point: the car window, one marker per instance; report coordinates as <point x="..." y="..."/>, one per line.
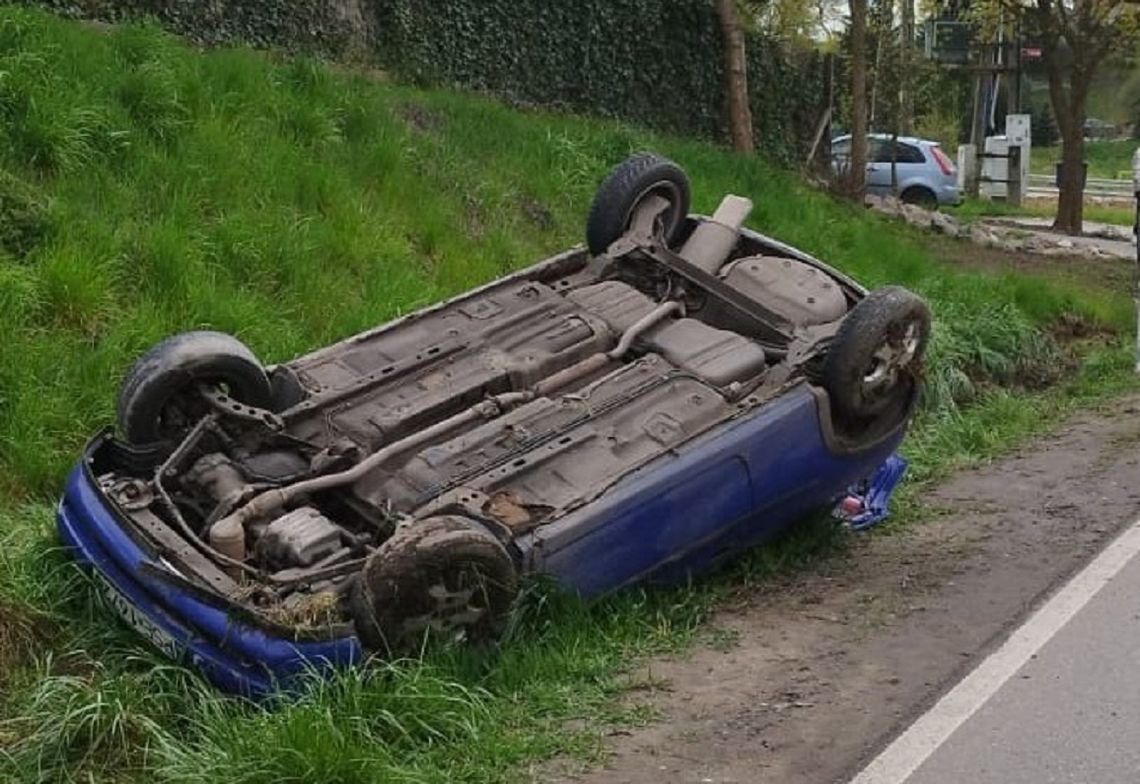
<point x="908" y="153"/>
<point x="841" y="148"/>
<point x="905" y="153"/>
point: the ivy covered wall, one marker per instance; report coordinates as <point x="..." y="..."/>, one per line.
<point x="327" y="27"/>
<point x="653" y="62"/>
<point x="656" y="62"/>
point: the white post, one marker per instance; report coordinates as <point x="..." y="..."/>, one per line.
<point x="967" y="155"/>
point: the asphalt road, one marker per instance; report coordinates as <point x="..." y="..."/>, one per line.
<point x="1058" y="703"/>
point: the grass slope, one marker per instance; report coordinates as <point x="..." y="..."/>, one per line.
<point x="1107" y="159"/>
<point x="147" y="188"/>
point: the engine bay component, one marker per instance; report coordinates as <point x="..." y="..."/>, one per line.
<point x="298" y="538"/>
<point x="215" y="474"/>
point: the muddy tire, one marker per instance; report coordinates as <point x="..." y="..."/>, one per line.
<point x="921" y="197"/>
<point x="440" y="578"/>
<point x="623" y="190"/>
<point x="875" y="360"/>
<point x="157" y="400"/>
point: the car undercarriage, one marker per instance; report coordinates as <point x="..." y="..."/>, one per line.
<point x="380" y="485"/>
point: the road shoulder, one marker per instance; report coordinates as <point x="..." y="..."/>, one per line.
<point x="830" y="664"/>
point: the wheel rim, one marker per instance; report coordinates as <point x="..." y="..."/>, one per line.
<point x="666" y="221"/>
<point x="185" y="408"/>
<point x="456" y="609"/>
<point x="890" y="360"/>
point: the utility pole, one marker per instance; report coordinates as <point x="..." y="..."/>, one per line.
<point x="978" y="127"/>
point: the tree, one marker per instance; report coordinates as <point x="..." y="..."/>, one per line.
<point x="906" y="75"/>
<point x="857" y="171"/>
<point x="1076" y="37"/>
<point x="736" y="77"/>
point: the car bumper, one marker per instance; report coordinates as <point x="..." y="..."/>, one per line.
<point x="234" y="655"/>
<point x="949" y="195"/>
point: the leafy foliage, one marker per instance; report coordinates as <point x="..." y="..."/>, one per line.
<point x="616" y="59"/>
<point x="313" y="26"/>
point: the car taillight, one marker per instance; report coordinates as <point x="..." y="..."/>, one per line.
<point x="944" y="163"/>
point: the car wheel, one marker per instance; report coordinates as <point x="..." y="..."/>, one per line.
<point x="921" y="197"/>
<point x="440" y="578"/>
<point x="158" y="399"/>
<point x="625" y="187"/>
<point x="874" y="361"/>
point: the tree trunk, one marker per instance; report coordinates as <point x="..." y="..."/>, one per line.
<point x="1071" y="202"/>
<point x="735" y="78"/>
<point x="906" y="56"/>
<point x="857" y="174"/>
<point x="1069" y="110"/>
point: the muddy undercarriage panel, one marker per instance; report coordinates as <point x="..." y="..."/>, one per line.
<point x="429" y="368"/>
<point x="551" y="455"/>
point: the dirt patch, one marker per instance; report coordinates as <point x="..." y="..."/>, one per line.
<point x="420" y="119"/>
<point x="1071" y="328"/>
<point x="1108" y="274"/>
<point x="536" y="213"/>
<point x="830" y="663"/>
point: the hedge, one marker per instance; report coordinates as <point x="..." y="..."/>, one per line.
<point x="653" y="62"/>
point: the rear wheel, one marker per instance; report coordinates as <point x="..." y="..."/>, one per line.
<point x="623" y="191"/>
<point x="921" y="197"/>
<point x="440" y="578"/>
<point x="875" y="360"/>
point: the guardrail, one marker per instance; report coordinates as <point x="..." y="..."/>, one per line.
<point x="1094" y="186"/>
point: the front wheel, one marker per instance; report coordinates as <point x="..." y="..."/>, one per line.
<point x="437" y="578"/>
<point x="158" y="399"/>
<point x="875" y="360"/>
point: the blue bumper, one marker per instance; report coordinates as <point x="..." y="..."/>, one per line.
<point x="233" y="655"/>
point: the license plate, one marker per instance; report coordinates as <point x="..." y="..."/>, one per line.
<point x="137" y="619"/>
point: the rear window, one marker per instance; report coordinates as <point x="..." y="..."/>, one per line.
<point x="904" y="153"/>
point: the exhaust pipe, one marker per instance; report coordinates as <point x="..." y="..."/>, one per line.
<point x="714" y="240"/>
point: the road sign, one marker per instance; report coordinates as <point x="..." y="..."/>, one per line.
<point x="949" y="41"/>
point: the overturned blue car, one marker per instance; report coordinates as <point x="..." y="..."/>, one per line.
<point x="640" y="408"/>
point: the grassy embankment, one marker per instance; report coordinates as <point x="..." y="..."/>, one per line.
<point x="973" y="209"/>
<point x="1109" y="159"/>
<point x="147" y="188"/>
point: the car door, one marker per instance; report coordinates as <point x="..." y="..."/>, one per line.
<point x="879" y="167"/>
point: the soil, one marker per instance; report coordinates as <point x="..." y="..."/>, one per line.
<point x="828" y="665"/>
<point x="1110" y="273"/>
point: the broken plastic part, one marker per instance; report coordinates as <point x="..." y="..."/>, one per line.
<point x="867" y="503"/>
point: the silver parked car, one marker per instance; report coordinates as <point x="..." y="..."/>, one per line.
<point x="926" y="175"/>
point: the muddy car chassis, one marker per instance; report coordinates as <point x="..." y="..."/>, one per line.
<point x="680" y="389"/>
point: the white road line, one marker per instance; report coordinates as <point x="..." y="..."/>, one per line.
<point x="904" y="756"/>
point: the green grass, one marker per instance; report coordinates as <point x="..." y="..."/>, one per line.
<point x="150" y="189"/>
<point x="1106" y="159"/>
<point x="972" y="209"/>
